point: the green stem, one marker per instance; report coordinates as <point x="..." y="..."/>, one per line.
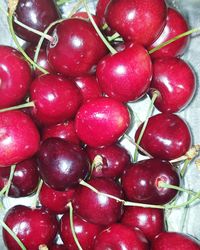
<point x="12" y="171"/>
<point x="113" y="37"/>
<point x="163" y="184"/>
<point x="21" y="106"/>
<point x="61" y="2"/>
<point x="3" y="190"/>
<point x="35" y="200"/>
<point x="185" y="165"/>
<point x="183" y="218"/>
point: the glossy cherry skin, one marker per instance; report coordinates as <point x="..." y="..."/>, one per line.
<point x="140" y="21"/>
<point x="65" y="131"/>
<point x="19" y="138"/>
<point x="175" y="241"/>
<point x="149" y="220"/>
<point x="57" y="247"/>
<point x="141" y="182"/>
<point x="100" y="10"/>
<point x="56" y="99"/>
<point x="121" y="237"/>
<point x="34" y="227"/>
<point x="25" y="179"/>
<point x="37" y="14"/>
<point x="97" y="208"/>
<point x="175" y="81"/>
<point x="89" y="87"/>
<point x="115" y="160"/>
<point x="15" y="77"/>
<point x="175" y="25"/>
<point x="166" y="136"/>
<point x="83" y="15"/>
<point x="77" y="48"/>
<point x="61" y="164"/>
<point x="86" y="232"/>
<point x="55" y="201"/>
<point x="125" y="75"/>
<point x="101" y="121"/>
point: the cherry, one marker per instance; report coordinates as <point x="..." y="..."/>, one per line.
<point x="14" y="81"/>
<point x="76" y="48"/>
<point x="140" y="21"/>
<point x="125" y="75"/>
<point x="175" y="81"/>
<point x="57" y="247"/>
<point x="65" y="131"/>
<point x="25" y="179"/>
<point x="141" y="182"/>
<point x="166" y="136"/>
<point x="98" y="208"/>
<point x="175" y="241"/>
<point x="61" y="164"/>
<point x="37" y="14"/>
<point x="101" y="121"/>
<point x="115" y="159"/>
<point x="86" y="232"/>
<point x="56" y="99"/>
<point x="19" y="138"/>
<point x="83" y="15"/>
<point x="34" y="227"/>
<point x="149" y="220"/>
<point x="121" y="237"/>
<point x="55" y="201"/>
<point x="175" y="25"/>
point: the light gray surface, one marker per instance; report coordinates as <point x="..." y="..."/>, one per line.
<point x="191" y="9"/>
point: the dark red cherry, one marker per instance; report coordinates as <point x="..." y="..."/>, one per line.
<point x="175" y="25"/>
<point x="57" y="247"/>
<point x="149" y="220"/>
<point x="65" y="131"/>
<point x="55" y="201"/>
<point x="175" y="81"/>
<point x="86" y="232"/>
<point x="97" y="208"/>
<point x="100" y="10"/>
<point x="37" y="14"/>
<point x="115" y="159"/>
<point x="175" y="241"/>
<point x="25" y="179"/>
<point x="166" y="136"/>
<point x="61" y="164"/>
<point x="15" y="77"/>
<point x="141" y="182"/>
<point x="140" y="21"/>
<point x="34" y="227"/>
<point x="56" y="99"/>
<point x="121" y="237"/>
<point x="77" y="47"/>
<point x="19" y="138"/>
<point x="125" y="75"/>
<point x="101" y="121"/>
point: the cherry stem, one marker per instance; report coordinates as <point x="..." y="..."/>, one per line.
<point x="3" y="190"/>
<point x="97" y="162"/>
<point x="14" y="236"/>
<point x="189" y="32"/>
<point x="35" y="200"/>
<point x="43" y="247"/>
<point x="149" y="112"/>
<point x="184" y="216"/>
<point x="184" y="168"/>
<point x="61" y="2"/>
<point x="72" y="226"/>
<point x="12" y="171"/>
<point x="111" y="49"/>
<point x="162" y="184"/>
<point x="21" y="106"/>
<point x="113" y="37"/>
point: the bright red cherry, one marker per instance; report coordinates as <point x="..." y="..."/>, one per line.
<point x="101" y="121"/>
<point x="76" y="48"/>
<point x="175" y="81"/>
<point x="166" y="136"/>
<point x="15" y="77"/>
<point x="19" y="138"/>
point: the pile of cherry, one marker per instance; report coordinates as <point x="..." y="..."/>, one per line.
<point x="67" y="133"/>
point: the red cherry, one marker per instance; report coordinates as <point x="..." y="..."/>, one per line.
<point x="15" y="77"/>
<point x="149" y="220"/>
<point x="175" y="81"/>
<point x="83" y="15"/>
<point x="100" y="10"/>
<point x="77" y="48"/>
<point x="86" y="232"/>
<point x="19" y="138"/>
<point x="175" y="25"/>
<point x="97" y="208"/>
<point x="125" y="75"/>
<point x="166" y="136"/>
<point x="101" y="121"/>
<point x="120" y="237"/>
<point x="56" y="99"/>
<point x="140" y="21"/>
<point x="34" y="227"/>
<point x="57" y="247"/>
<point x="175" y="241"/>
